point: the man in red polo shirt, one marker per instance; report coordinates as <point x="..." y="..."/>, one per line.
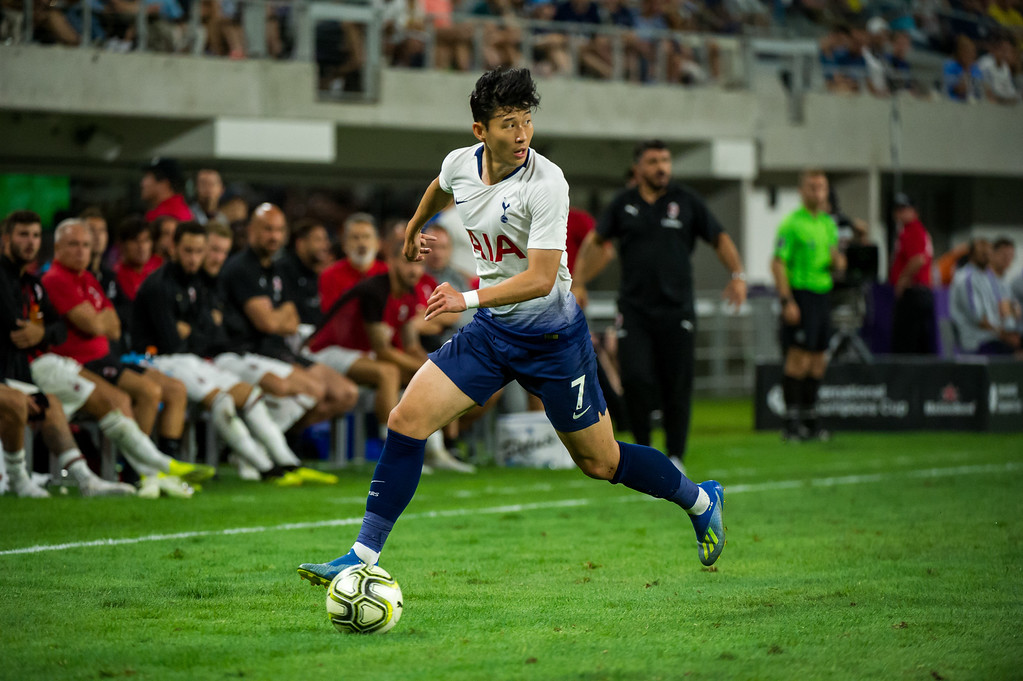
<point x="360" y="242"/>
<point x="161" y="187"/>
<point x="913" y="326"/>
<point x="92" y="322"/>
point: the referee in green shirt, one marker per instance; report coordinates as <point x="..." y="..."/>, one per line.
<point x="805" y="254"/>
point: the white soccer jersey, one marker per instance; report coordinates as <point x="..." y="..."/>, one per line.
<point x="527" y="209"/>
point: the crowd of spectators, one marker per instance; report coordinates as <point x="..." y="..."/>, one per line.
<point x="864" y="47"/>
<point x="980" y="43"/>
<point x="269" y="333"/>
<point x="574" y="38"/>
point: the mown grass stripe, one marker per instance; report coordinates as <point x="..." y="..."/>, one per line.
<point x="519" y="508"/>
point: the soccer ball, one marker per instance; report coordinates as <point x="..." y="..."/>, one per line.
<point x="364" y="599"/>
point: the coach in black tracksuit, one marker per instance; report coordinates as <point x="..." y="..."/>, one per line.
<point x="655" y="225"/>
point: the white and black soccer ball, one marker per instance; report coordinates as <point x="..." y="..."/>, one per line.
<point x="364" y="599"/>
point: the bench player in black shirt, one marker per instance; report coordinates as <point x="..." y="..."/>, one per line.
<point x="175" y="326"/>
<point x="259" y="313"/>
<point x="655" y="225"/>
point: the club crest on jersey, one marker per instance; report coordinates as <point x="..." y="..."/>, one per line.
<point x="504" y="216"/>
<point x="505" y="246"/>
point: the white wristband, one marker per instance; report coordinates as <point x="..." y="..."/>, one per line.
<point x="472" y="299"/>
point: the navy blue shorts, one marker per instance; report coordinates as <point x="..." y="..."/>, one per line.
<point x="560" y="368"/>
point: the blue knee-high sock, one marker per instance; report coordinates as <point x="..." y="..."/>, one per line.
<point x="394" y="483"/>
<point x="647" y="470"/>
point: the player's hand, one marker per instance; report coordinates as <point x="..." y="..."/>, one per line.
<point x="790" y="313"/>
<point x="33" y="407"/>
<point x="444" y="299"/>
<point x="28" y="334"/>
<point x="582" y="296"/>
<point x="417" y="246"/>
<point x="735" y="292"/>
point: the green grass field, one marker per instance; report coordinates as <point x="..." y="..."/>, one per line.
<point x="875" y="556"/>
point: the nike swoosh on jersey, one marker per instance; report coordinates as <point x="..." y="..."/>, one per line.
<point x="462" y="201"/>
<point x="579" y="415"/>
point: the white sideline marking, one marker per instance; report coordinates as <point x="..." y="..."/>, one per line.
<point x="518" y="508"/>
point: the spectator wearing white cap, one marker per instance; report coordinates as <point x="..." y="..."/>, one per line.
<point x="875" y="56"/>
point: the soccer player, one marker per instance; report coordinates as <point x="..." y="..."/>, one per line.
<point x="805" y="254"/>
<point x="528" y="328"/>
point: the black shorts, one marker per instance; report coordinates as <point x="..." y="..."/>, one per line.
<point x="813" y="332"/>
<point x="111" y="367"/>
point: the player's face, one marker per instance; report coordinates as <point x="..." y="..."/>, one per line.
<point x="267" y="233"/>
<point x="100" y="235"/>
<point x="165" y="243"/>
<point x="360" y="243"/>
<point x="409" y="273"/>
<point x="982" y="253"/>
<point x="440" y="251"/>
<point x="190" y="251"/>
<point x="137" y="252"/>
<point x="1001" y="258"/>
<point x="905" y="214"/>
<point x="314" y="248"/>
<point x="208" y="187"/>
<point x="217" y="249"/>
<point x="74" y="250"/>
<point x="148" y="188"/>
<point x="653" y="169"/>
<point x="23" y="242"/>
<point x="507" y="136"/>
<point x="814" y="191"/>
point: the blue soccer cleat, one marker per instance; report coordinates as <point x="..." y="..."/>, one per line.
<point x="710" y="532"/>
<point x="322" y="574"/>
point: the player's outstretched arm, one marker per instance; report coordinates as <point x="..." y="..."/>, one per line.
<point x="434" y="201"/>
<point x="537" y="281"/>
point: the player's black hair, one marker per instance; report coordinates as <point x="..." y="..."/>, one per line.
<point x="92" y="212"/>
<point x="501" y="89"/>
<point x="189" y="227"/>
<point x="974" y="244"/>
<point x="131" y="227"/>
<point x="20" y="217"/>
<point x="302" y="228"/>
<point x="645" y="146"/>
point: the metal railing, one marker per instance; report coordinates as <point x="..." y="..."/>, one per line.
<point x="735" y="57"/>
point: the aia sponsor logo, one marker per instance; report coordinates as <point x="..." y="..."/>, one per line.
<point x="494" y="252"/>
